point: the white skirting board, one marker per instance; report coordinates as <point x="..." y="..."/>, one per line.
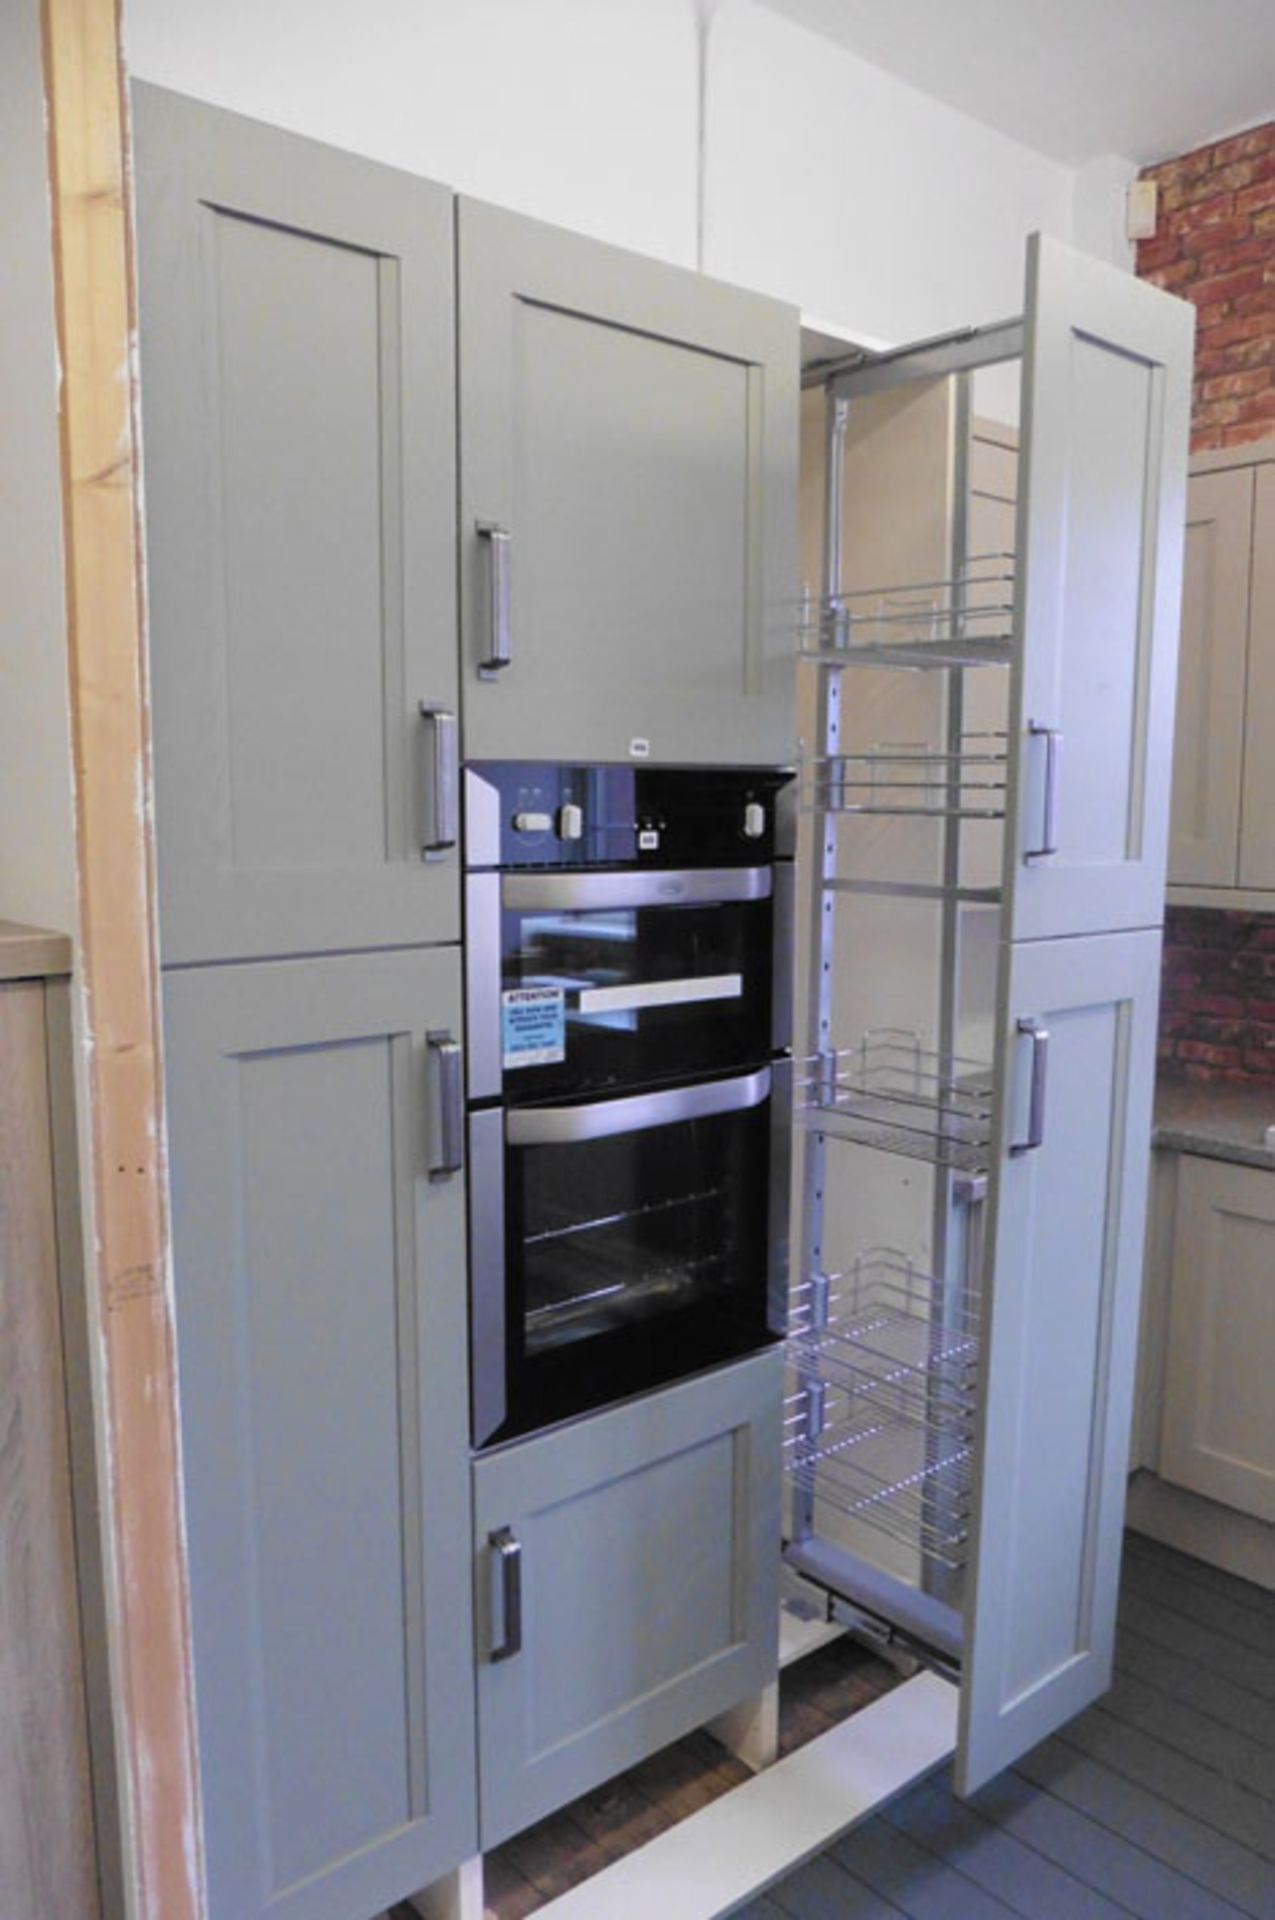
<point x="731" y="1850"/>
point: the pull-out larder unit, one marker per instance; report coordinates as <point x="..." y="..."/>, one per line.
<point x="989" y="670"/>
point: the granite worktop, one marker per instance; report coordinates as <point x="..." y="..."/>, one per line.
<point x="1214" y="1118"/>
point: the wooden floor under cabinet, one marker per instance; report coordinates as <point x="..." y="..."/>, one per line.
<point x="572" y="1845"/>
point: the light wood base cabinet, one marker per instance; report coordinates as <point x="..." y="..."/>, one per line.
<point x="1218" y="1430"/>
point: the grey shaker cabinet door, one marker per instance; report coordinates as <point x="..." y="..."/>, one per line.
<point x="632" y="428"/>
<point x="1059" y="1340"/>
<point x="649" y="1564"/>
<point x="320" y="1283"/>
<point x="1101" y="511"/>
<point x="298" y="374"/>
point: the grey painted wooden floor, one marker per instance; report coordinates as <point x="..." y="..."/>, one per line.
<point x="1158" y="1803"/>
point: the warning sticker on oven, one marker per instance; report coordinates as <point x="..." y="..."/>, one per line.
<point x="533" y="1026"/>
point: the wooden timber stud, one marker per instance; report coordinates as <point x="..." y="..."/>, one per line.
<point x="131" y="1306"/>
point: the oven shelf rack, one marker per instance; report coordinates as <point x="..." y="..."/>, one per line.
<point x="910" y="1480"/>
<point x="964" y="620"/>
<point x="890" y="1092"/>
<point x="890" y="1333"/>
<point x="912" y="780"/>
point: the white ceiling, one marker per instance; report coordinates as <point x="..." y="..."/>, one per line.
<point x="1073" y="78"/>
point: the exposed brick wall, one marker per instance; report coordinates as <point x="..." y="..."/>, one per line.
<point x="1215" y="246"/>
<point x="1217" y="1017"/>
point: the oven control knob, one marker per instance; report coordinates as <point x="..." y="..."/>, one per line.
<point x="533" y="823"/>
<point x="570" y="821"/>
<point x="754" y="820"/>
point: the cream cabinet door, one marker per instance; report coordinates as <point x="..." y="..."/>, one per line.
<point x="1208" y="748"/>
<point x="1257" y="830"/>
<point x="1218" y="1436"/>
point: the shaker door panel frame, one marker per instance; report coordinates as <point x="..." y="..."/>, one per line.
<point x="649" y="1538"/>
<point x="296" y="308"/>
<point x="1101" y="510"/>
<point x="632" y="427"/>
<point x="1059" y="1341"/>
<point x="1217" y="1433"/>
<point x="321" y="1322"/>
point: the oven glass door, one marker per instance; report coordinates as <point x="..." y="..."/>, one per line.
<point x="613" y="979"/>
<point x="636" y="1248"/>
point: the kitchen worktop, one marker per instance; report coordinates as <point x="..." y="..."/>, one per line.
<point x="29" y="952"/>
<point x="1221" y="1121"/>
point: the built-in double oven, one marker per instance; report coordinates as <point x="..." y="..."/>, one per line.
<point x="628" y="942"/>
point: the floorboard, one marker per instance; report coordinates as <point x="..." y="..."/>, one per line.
<point x="1182" y="1572"/>
<point x="1095" y="1855"/>
<point x="1240" y="1620"/>
<point x="1186" y="1680"/>
<point x="1202" y="1737"/>
<point x="1025" y="1880"/>
<point x="921" y="1884"/>
<point x="822" y="1890"/>
<point x="1183" y="1783"/>
<point x="1207" y="1646"/>
<point x="1197" y="1851"/>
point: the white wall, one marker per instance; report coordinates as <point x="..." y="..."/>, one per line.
<point x="868" y="203"/>
<point x="827" y="182"/>
<point x="37" y="848"/>
<point x="584" y="112"/>
<point x="1099" y="209"/>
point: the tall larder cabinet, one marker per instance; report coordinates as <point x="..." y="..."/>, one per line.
<point x="297" y="328"/>
<point x="964" y="1333"/>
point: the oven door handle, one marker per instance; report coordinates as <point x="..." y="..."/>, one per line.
<point x="656" y="887"/>
<point x="692" y="992"/>
<point x="570" y="1126"/>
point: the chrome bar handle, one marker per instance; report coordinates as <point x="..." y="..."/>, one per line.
<point x="451" y="1111"/>
<point x="1039" y="1037"/>
<point x="442" y="800"/>
<point x="499" y="544"/>
<point x="508" y="1552"/>
<point x="1052" y="737"/>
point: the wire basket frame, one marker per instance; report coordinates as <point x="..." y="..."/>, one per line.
<point x="889" y="1471"/>
<point x="890" y="1092"/>
<point x="965" y="619"/>
<point x="912" y="780"/>
<point x="891" y="1333"/>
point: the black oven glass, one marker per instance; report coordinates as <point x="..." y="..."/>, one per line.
<point x="608" y="996"/>
<point x="632" y="1260"/>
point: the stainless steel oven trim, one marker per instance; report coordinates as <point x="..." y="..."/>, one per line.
<point x="482" y="821"/>
<point x="786" y="818"/>
<point x="784" y="957"/>
<point x="666" y="887"/>
<point x="778" y="1251"/>
<point x="482" y="983"/>
<point x="487" y="1271"/>
<point x="571" y="1126"/>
